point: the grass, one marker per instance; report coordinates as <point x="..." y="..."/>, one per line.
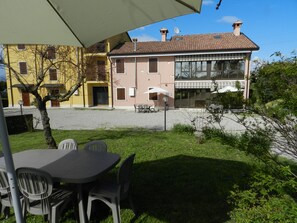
<point x="175" y="179"/>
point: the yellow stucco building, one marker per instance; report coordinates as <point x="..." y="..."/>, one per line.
<point x="59" y="77"/>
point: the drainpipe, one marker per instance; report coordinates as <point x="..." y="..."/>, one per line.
<point x="247" y="87"/>
<point x="9" y="74"/>
<point x="111" y="81"/>
<point x="135" y="65"/>
<point x="80" y="56"/>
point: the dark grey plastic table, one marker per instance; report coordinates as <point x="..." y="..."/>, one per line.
<point x="75" y="166"/>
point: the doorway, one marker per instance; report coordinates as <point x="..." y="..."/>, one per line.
<point x="55" y="103"/>
<point x="26" y="98"/>
<point x="100" y="96"/>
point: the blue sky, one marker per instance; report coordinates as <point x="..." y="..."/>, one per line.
<point x="271" y="24"/>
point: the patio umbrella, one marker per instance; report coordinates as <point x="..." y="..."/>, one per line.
<point x="82" y="23"/>
<point x="156" y="90"/>
<point x="76" y="23"/>
<point x="227" y="89"/>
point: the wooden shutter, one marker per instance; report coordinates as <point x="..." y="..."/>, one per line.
<point x="53" y="74"/>
<point x="120" y="65"/>
<point x="153" y="96"/>
<point x="120" y="93"/>
<point x="153" y="65"/>
<point x="21" y="46"/>
<point x="51" y="52"/>
<point x="23" y="67"/>
<point x="101" y="70"/>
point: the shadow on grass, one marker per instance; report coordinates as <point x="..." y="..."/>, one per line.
<point x="185" y="188"/>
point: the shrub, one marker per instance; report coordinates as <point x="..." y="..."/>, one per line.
<point x="257" y="143"/>
<point x="183" y="128"/>
<point x="267" y="199"/>
<point x="224" y="137"/>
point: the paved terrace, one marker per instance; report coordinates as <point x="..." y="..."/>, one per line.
<point x="94" y="118"/>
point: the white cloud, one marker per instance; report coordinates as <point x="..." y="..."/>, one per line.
<point x="207" y="2"/>
<point x="144" y="38"/>
<point x="228" y="19"/>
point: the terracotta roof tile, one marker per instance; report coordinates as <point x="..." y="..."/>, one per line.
<point x="189" y="43"/>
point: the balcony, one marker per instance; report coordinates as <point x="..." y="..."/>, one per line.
<point x="98" y="77"/>
<point x="97" y="48"/>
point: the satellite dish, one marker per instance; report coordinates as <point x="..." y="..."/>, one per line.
<point x="176" y="30"/>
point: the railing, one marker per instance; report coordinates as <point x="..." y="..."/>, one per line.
<point x="98" y="77"/>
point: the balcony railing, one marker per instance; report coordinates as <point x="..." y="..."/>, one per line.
<point x="98" y="77"/>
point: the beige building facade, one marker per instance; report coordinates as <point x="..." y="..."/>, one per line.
<point x="185" y="66"/>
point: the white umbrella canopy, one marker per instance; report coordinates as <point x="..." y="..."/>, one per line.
<point x="156" y="90"/>
<point x="227" y="89"/>
<point x="75" y="23"/>
<point x="82" y="23"/>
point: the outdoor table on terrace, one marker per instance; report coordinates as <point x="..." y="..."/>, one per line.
<point x="144" y="108"/>
<point x="68" y="166"/>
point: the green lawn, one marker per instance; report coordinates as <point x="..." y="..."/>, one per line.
<point x="175" y="179"/>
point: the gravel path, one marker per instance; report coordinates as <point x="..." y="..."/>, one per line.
<point x="71" y="118"/>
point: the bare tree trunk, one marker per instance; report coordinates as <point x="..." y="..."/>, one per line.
<point x="50" y="141"/>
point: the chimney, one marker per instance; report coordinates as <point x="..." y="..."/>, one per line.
<point x="134" y="40"/>
<point x="164" y="32"/>
<point x="236" y="27"/>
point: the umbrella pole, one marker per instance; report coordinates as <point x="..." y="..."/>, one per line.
<point x="10" y="167"/>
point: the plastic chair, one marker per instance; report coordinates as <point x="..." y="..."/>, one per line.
<point x="68" y="144"/>
<point x="111" y="193"/>
<point x="40" y="198"/>
<point x="5" y="195"/>
<point x="96" y="145"/>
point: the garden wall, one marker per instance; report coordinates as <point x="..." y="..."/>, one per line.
<point x="19" y="123"/>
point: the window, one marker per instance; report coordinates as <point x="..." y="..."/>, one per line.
<point x="101" y="70"/>
<point x="200" y="71"/>
<point x="120" y="65"/>
<point x="153" y="96"/>
<point x="53" y="74"/>
<point x="23" y="67"/>
<point x="153" y="62"/>
<point x="21" y="46"/>
<point x="51" y="52"/>
<point x="121" y="94"/>
<point x="205" y="70"/>
<point x="227" y="69"/>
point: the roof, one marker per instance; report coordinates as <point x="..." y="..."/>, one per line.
<point x="189" y="43"/>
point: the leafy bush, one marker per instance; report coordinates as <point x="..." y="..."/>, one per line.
<point x="256" y="144"/>
<point x="224" y="137"/>
<point x="183" y="128"/>
<point x="268" y="199"/>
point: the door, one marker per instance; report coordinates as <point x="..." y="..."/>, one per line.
<point x="55" y="103"/>
<point x="100" y="96"/>
<point x="26" y="98"/>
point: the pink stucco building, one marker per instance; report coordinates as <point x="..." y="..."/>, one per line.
<point x="185" y="66"/>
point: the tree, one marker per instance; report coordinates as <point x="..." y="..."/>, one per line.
<point x="275" y="86"/>
<point x="272" y="115"/>
<point x="42" y="61"/>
